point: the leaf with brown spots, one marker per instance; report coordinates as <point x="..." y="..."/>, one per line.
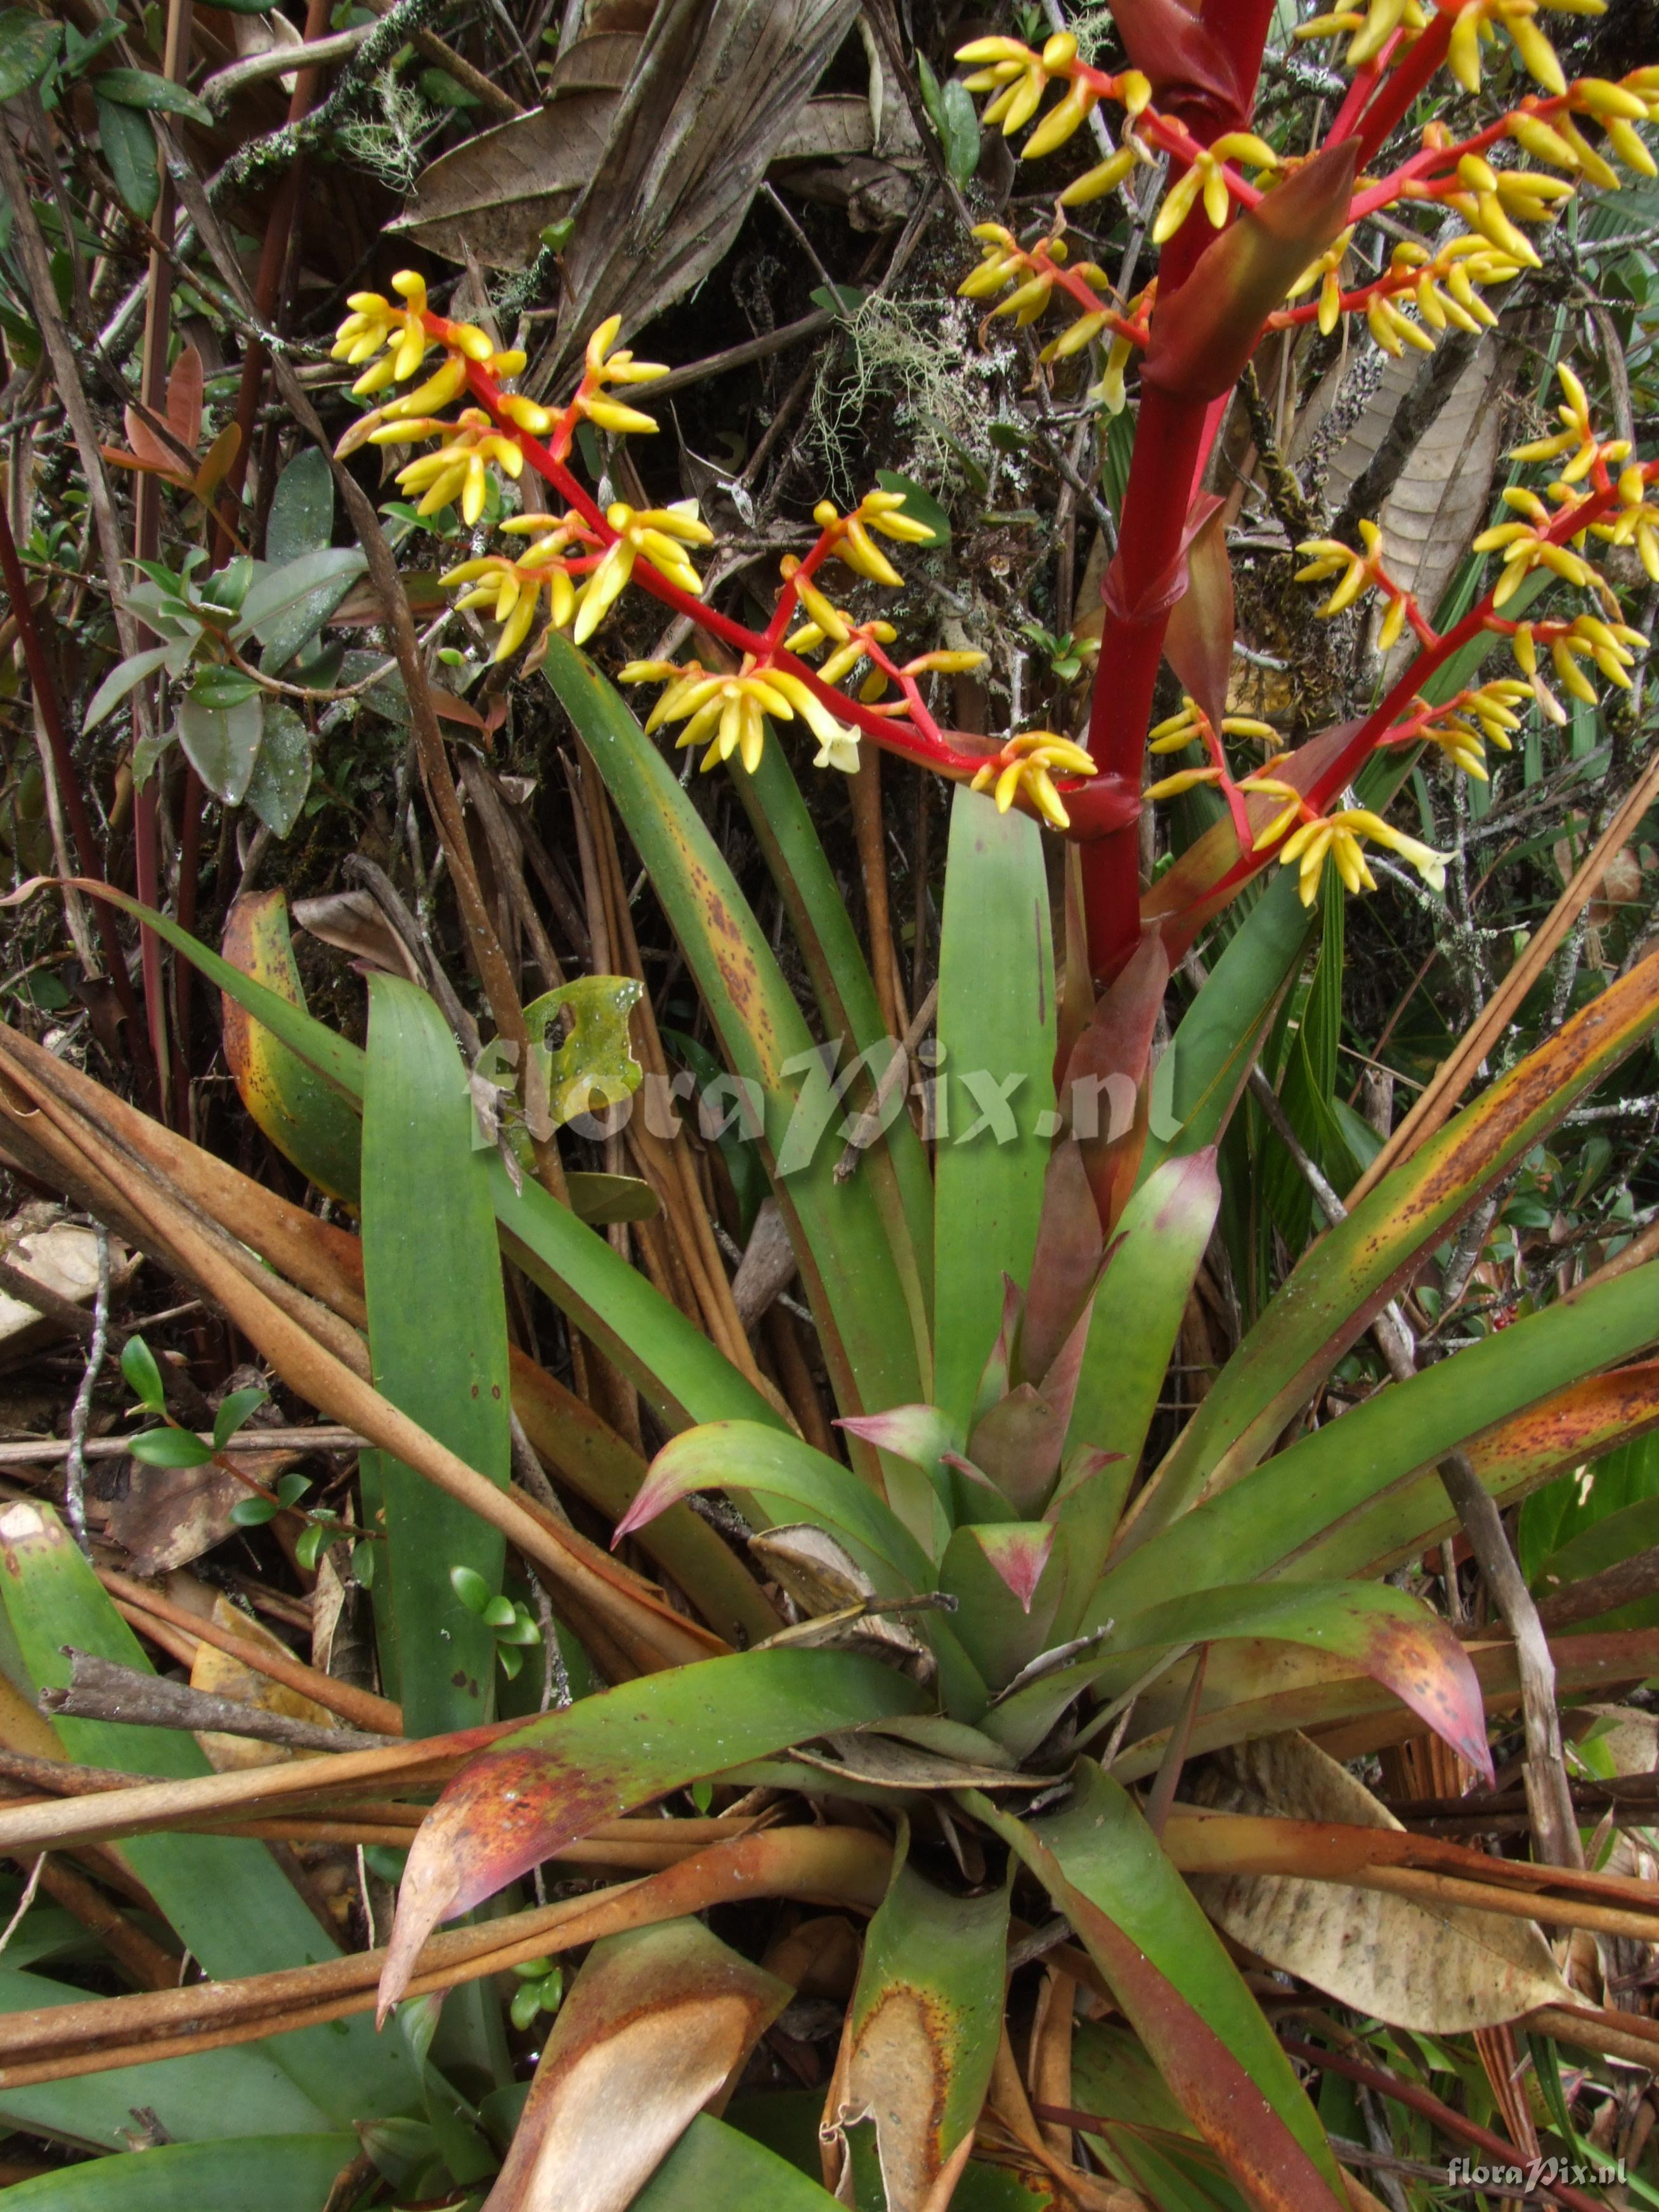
<point x="922" y="2034"/>
<point x="1441" y="1969"/>
<point x="1179" y="1990"/>
<point x="552" y="1782"/>
<point x="657" y="2024"/>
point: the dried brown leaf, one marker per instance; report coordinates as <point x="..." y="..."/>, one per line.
<point x="717" y="84"/>
<point x="1440" y="1970"/>
<point x="659" y="2021"/>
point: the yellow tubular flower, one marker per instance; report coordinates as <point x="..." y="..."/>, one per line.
<point x="1000" y="262"/>
<point x="730" y="711"/>
<point x="1342" y="838"/>
<point x="1479" y="18"/>
<point x="1066" y="116"/>
<point x="1024" y="768"/>
<point x="460" y="467"/>
<point x="1526" y="546"/>
<point x="511" y="591"/>
<point x="602" y="366"/>
<point x="1105" y="177"/>
<point x="1206" y="176"/>
<point x="660" y="535"/>
<point x="1358" y="572"/>
<point x="1184" y="779"/>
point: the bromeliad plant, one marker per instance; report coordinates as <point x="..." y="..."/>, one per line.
<point x="997" y="1617"/>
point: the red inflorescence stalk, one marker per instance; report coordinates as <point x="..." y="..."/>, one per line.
<point x="1171" y="444"/>
<point x="1374" y="730"/>
<point x="920" y="739"/>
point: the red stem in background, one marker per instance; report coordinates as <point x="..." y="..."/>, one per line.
<point x="1418" y="2100"/>
<point x="1401" y="86"/>
<point x="147" y="539"/>
<point x="75" y="806"/>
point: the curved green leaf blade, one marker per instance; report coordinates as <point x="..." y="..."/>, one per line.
<point x="996" y="1036"/>
<point x="868" y="1324"/>
<point x="1179" y="1990"/>
<point x="552" y="1781"/>
<point x="1138" y="1311"/>
<point x="712" y="2164"/>
<point x="1353" y="1272"/>
<point x="1384" y="1632"/>
<point x="144" y="89"/>
<point x="1261" y="1526"/>
<point x="781" y="1469"/>
<point x="1388" y="1634"/>
<point x="304" y="1116"/>
<point x="256" y="2173"/>
<point x="843" y="986"/>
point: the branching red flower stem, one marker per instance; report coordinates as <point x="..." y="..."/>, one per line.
<point x="1398" y="89"/>
<point x="1376" y="730"/>
<point x="918" y="740"/>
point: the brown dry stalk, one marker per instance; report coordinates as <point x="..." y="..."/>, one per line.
<point x="286" y="1328"/>
<point x="865" y="791"/>
<point x="1435" y="1105"/>
<point x="1201" y="1842"/>
<point x="143" y="1957"/>
<point x="361" y="1707"/>
<point x="837" y="1868"/>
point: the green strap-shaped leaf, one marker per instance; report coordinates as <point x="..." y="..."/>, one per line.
<point x="518" y="1801"/>
<point x="801" y="1483"/>
<point x="437" y="1342"/>
<point x="1553" y="1438"/>
<point x="256" y="2173"/>
<point x="870" y="1332"/>
<point x="1351" y="1272"/>
<point x="202" y="2098"/>
<point x="680" y="1373"/>
<point x="305" y="1116"/>
<point x="996" y="1034"/>
<point x="1263" y="1525"/>
<point x="1137" y="1316"/>
<point x="227" y="1899"/>
<point x="1179" y="1990"/>
<point x="1386" y="1634"/>
<point x="790" y="1479"/>
<point x="926" y="2019"/>
<point x="843" y="987"/>
<point x="712" y="2165"/>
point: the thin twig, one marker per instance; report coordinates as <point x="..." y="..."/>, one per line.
<point x="101" y="1690"/>
<point x="75" y="1475"/>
